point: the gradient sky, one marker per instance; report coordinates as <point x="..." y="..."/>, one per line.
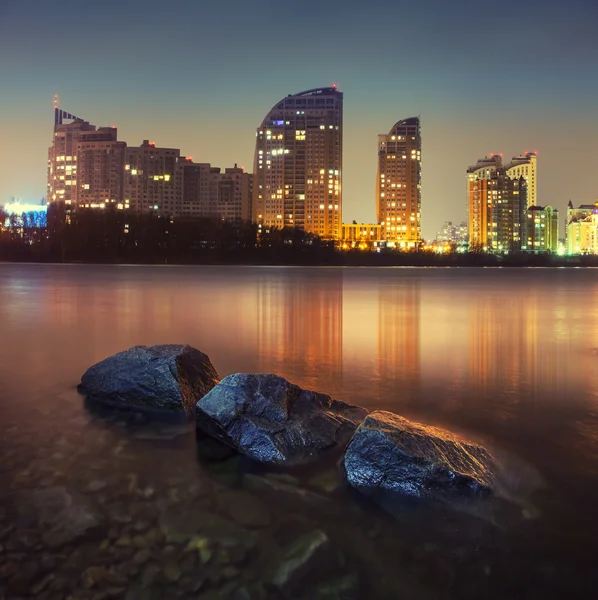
<point x="200" y="76"/>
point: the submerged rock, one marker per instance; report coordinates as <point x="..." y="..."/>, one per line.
<point x="300" y="559"/>
<point x="63" y="516"/>
<point x="167" y="378"/>
<point x="273" y="421"/>
<point x="390" y="453"/>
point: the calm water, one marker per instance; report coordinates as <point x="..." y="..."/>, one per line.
<point x="505" y="356"/>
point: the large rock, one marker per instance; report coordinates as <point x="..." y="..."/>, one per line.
<point x="273" y="421"/>
<point x="168" y="377"/>
<point x="389" y="453"/>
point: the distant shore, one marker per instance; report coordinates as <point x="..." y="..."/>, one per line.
<point x="341" y="259"/>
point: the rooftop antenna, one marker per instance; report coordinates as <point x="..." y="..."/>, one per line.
<point x="55" y="100"/>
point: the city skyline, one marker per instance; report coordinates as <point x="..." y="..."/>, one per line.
<point x="145" y="87"/>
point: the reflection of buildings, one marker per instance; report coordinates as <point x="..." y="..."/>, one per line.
<point x="512" y="353"/>
<point x="381" y="338"/>
<point x="398" y="357"/>
<point x="299" y="327"/>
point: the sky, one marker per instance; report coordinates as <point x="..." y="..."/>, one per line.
<point x="502" y="77"/>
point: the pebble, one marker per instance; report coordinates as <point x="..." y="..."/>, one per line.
<point x="96" y="485"/>
<point x="124" y="541"/>
<point x="142" y="557"/>
<point x="172" y="572"/>
<point x="149" y="574"/>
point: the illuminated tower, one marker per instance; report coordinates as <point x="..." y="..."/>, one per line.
<point x="497" y="208"/>
<point x="85" y="163"/>
<point x="525" y="165"/>
<point x="298" y="164"/>
<point x="398" y="184"/>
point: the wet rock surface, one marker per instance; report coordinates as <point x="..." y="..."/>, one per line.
<point x="273" y="421"/>
<point x="391" y="454"/>
<point x="157" y="378"/>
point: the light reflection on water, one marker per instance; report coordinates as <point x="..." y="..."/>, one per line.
<point x="504" y="355"/>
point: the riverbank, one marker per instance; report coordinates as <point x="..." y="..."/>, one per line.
<point x="301" y="257"/>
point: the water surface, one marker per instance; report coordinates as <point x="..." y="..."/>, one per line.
<point x="504" y="356"/>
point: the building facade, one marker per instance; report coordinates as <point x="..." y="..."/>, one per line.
<point x="582" y="229"/>
<point x="298" y="164"/>
<point x="85" y="164"/>
<point x="209" y="193"/>
<point x="525" y="165"/>
<point x="151" y="179"/>
<point x="497" y="208"/>
<point x="453" y="234"/>
<point x="89" y="168"/>
<point x="398" y="184"/>
<point x="361" y="232"/>
<point x="541" y="230"/>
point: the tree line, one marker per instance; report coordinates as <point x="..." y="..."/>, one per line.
<point x="117" y="236"/>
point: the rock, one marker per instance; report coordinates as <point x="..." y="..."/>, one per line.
<point x="298" y="496"/>
<point x="182" y="526"/>
<point x="150" y="574"/>
<point x="389" y="453"/>
<point x="63" y="516"/>
<point x="300" y="559"/>
<point x="245" y="508"/>
<point x="204" y="548"/>
<point x="329" y="481"/>
<point x="124" y="541"/>
<point x="94" y="575"/>
<point x="141" y="557"/>
<point x="343" y="588"/>
<point x="273" y="421"/>
<point x="172" y="573"/>
<point x="167" y="378"/>
<point x="96" y="485"/>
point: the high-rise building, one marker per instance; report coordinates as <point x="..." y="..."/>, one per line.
<point x="85" y="163"/>
<point x="541" y="230"/>
<point x="451" y="233"/>
<point x="398" y="184"/>
<point x="525" y="165"/>
<point x="484" y="168"/>
<point x="582" y="229"/>
<point x="298" y="164"/>
<point x="497" y="210"/>
<point x="89" y="168"/>
<point x="209" y="193"/>
<point x="151" y="182"/>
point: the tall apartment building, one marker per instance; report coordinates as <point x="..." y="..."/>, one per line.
<point x="100" y="174"/>
<point x="525" y="165"/>
<point x="497" y="210"/>
<point x="151" y="182"/>
<point x="85" y="163"/>
<point x="541" y="230"/>
<point x="298" y="164"/>
<point x="451" y="233"/>
<point x="89" y="168"/>
<point x="207" y="192"/>
<point x="398" y="184"/>
<point x="582" y="229"/>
